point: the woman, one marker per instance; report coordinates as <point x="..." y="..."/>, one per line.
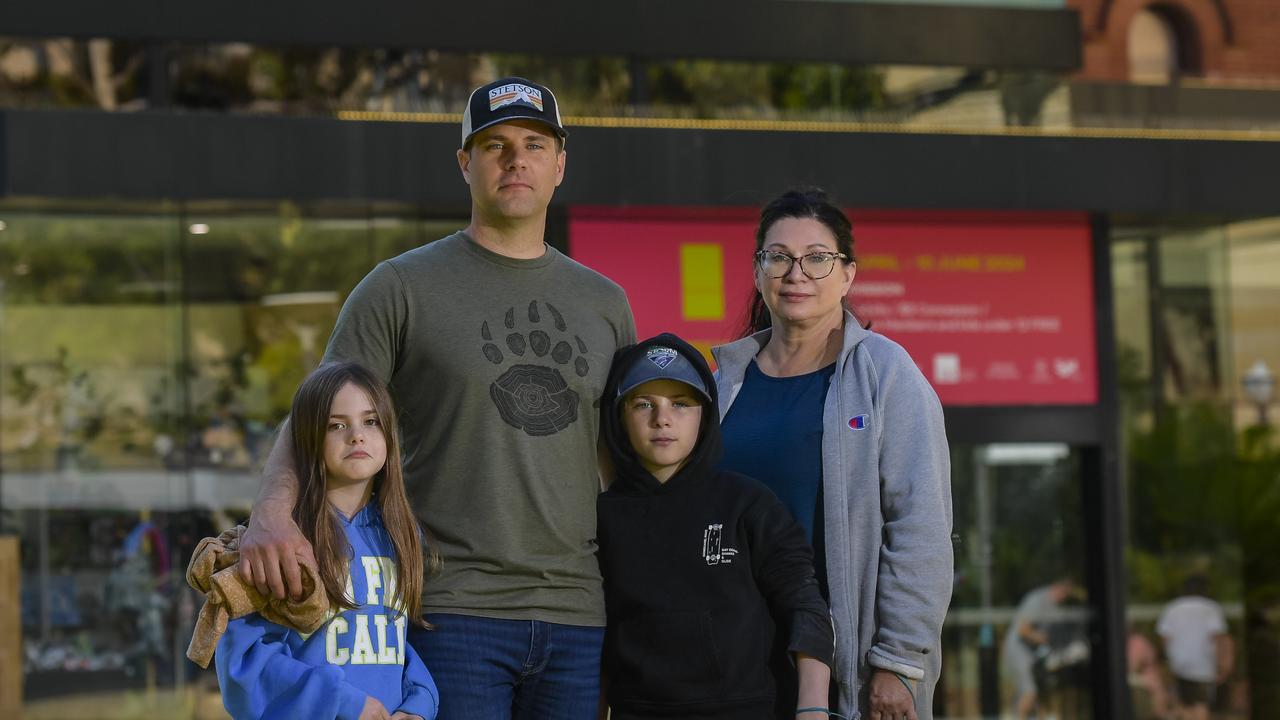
<point x="842" y="425"/>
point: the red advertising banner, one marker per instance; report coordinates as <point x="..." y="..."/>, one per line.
<point x="995" y="308"/>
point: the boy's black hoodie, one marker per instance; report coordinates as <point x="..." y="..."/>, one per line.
<point x="696" y="571"/>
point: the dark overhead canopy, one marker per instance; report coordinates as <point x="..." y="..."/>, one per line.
<point x="155" y="155"/>
<point x="765" y="30"/>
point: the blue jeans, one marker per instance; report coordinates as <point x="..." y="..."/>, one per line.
<point x="490" y="669"/>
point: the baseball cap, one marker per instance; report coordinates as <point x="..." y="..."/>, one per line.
<point x="510" y="98"/>
<point x="663" y="363"/>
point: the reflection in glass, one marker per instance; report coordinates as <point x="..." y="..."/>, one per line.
<point x="1016" y="636"/>
<point x="146" y="356"/>
<point x="1201" y="474"/>
<point x="90" y="404"/>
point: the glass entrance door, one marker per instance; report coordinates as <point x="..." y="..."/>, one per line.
<point x="1018" y="635"/>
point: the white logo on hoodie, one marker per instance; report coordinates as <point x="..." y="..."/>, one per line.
<point x="712" y="551"/>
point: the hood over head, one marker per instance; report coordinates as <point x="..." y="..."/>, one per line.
<point x="664" y="356"/>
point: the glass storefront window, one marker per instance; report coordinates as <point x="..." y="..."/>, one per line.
<point x="146" y="356"/>
<point x="90" y="402"/>
<point x="1254" y="267"/>
<point x="1201" y="466"/>
<point x="148" y="352"/>
<point x="88" y="380"/>
<point x="263" y="295"/>
<point x="1018" y="631"/>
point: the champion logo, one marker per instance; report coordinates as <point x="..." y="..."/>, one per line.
<point x="515" y="93"/>
<point x="661" y="356"/>
<point x="859" y="422"/>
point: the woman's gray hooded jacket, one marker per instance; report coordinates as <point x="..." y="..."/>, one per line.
<point x="886" y="479"/>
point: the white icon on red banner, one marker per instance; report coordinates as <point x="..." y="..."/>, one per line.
<point x="1066" y="368"/>
<point x="946" y="368"/>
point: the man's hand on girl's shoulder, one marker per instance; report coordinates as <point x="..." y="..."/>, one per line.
<point x="272" y="550"/>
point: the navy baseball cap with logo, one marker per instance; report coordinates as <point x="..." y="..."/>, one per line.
<point x="663" y="363"/>
<point x="510" y="98"/>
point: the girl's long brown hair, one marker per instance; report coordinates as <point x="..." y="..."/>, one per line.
<point x="308" y="424"/>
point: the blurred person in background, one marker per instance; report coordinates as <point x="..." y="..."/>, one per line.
<point x="1200" y="651"/>
<point x="1031" y="641"/>
<point x="1147" y="688"/>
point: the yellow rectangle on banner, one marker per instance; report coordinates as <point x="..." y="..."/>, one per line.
<point x="702" y="281"/>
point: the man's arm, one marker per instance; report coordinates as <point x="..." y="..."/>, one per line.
<point x="273" y="546"/>
<point x="367" y="331"/>
<point x="1031" y="634"/>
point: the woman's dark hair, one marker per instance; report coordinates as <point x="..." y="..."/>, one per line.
<point x="308" y="423"/>
<point x="804" y="202"/>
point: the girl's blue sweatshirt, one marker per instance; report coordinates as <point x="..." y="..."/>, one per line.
<point x="270" y="671"/>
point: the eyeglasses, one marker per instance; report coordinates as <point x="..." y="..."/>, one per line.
<point x="815" y="265"/>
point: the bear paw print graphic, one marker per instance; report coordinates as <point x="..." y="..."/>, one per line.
<point x="535" y="397"/>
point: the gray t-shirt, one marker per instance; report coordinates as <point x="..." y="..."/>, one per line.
<point x="496" y="366"/>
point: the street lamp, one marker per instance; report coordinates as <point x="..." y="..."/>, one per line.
<point x="1260" y="385"/>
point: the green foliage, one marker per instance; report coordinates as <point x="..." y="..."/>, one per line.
<point x="268" y="75"/>
<point x="237" y="76"/>
<point x="1150" y="580"/>
<point x="1132" y="377"/>
<point x="1203" y="498"/>
<point x="583" y="86"/>
<point x="1182" y="474"/>
<point x="715" y="87"/>
<point x="702" y="88"/>
<point x="83" y="259"/>
<point x="711" y="86"/>
<point x="817" y="87"/>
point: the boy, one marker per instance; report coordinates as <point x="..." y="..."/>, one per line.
<point x="694" y="559"/>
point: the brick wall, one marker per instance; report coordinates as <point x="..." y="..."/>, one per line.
<point x="1235" y="41"/>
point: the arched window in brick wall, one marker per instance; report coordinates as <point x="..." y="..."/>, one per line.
<point x="1163" y="45"/>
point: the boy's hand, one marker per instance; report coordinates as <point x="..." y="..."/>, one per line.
<point x="402" y="715"/>
<point x="374" y="710"/>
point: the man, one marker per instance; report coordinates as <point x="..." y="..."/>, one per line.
<point x="1198" y="645"/>
<point x="496" y="348"/>
<point x="1030" y="638"/>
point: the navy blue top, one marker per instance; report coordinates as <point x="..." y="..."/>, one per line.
<point x="773" y="433"/>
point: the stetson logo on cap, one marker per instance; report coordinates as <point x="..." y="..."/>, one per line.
<point x="510" y="98"/>
<point x="515" y="93"/>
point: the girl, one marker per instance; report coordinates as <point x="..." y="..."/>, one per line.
<point x="353" y="509"/>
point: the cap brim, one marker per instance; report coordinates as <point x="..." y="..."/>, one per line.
<point x="559" y="131"/>
<point x="702" y="394"/>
